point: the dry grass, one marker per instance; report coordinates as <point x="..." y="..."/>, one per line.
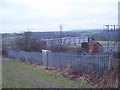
<point x="108" y="80"/>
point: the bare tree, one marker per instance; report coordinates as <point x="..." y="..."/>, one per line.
<point x="24" y="42"/>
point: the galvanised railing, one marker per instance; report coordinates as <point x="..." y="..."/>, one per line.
<point x="95" y="62"/>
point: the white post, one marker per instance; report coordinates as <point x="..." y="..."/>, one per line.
<point x="45" y="58"/>
<point x="109" y="63"/>
<point x="25" y="58"/>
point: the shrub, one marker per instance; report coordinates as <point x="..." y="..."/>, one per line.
<point x="4" y="52"/>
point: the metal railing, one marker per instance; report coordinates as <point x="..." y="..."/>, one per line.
<point x="95" y="62"/>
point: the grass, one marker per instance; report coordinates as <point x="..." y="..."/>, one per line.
<point x="8" y="79"/>
<point x="0" y="41"/>
<point x="50" y="76"/>
<point x="6" y="42"/>
<point x="105" y="42"/>
<point x="8" y="76"/>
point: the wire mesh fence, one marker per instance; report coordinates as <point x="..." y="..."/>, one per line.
<point x="95" y="62"/>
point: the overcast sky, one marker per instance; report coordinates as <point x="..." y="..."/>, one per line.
<point x="47" y="15"/>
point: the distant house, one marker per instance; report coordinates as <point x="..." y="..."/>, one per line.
<point x="65" y="40"/>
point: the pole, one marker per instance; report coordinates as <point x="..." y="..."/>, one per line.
<point x="108" y="36"/>
<point x="61" y="38"/>
<point x="114" y="36"/>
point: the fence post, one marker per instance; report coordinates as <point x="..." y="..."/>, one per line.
<point x="109" y="61"/>
<point x="71" y="61"/>
<point x="45" y="58"/>
<point x="25" y="58"/>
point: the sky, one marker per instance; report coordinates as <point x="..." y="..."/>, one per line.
<point x="47" y="15"/>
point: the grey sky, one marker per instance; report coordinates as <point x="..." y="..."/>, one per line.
<point x="46" y="15"/>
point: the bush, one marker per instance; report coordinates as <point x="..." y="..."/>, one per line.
<point x="108" y="80"/>
<point x="110" y="77"/>
<point x="4" y="52"/>
<point x="22" y="59"/>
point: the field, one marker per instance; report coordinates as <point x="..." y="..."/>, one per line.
<point x="17" y="75"/>
<point x="103" y="42"/>
<point x="8" y="41"/>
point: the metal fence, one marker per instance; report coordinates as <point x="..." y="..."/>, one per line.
<point x="96" y="62"/>
<point x="34" y="57"/>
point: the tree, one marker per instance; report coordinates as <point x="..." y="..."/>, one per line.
<point x="29" y="43"/>
<point x="24" y="41"/>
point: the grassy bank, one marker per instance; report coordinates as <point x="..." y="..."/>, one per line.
<point x="10" y="77"/>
